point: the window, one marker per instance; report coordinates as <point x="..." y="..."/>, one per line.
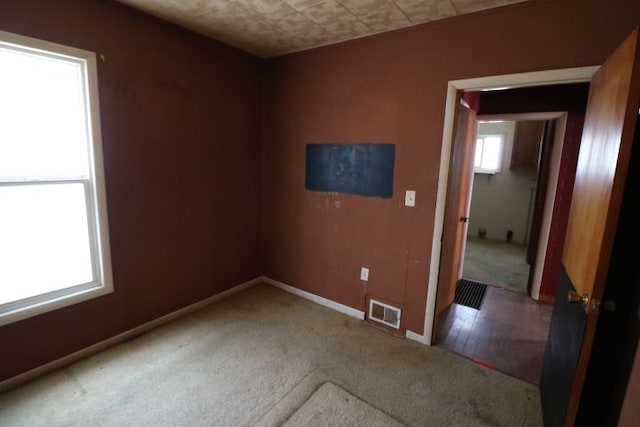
<point x="488" y="158"/>
<point x="54" y="248"/>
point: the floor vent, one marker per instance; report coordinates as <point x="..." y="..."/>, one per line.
<point x="384" y="313"/>
<point x="470" y="293"/>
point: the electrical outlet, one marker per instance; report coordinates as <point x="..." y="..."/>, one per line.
<point x="364" y="274"/>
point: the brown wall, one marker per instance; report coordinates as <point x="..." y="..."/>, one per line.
<point x="180" y="120"/>
<point x="392" y="88"/>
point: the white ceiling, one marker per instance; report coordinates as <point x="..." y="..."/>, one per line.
<point x="274" y="27"/>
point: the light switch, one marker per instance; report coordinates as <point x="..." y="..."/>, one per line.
<point x="410" y="198"/>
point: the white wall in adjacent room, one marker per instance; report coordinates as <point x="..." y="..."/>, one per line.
<point x="502" y="201"/>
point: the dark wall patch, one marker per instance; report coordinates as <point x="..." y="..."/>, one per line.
<point x="364" y="169"/>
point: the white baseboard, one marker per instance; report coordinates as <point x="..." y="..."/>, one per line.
<point x="410" y="335"/>
<point x="315" y="298"/>
<point x="124" y="336"/>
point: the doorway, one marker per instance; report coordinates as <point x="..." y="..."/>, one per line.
<point x="509" y="331"/>
<point x="503" y="196"/>
<point x="533" y="79"/>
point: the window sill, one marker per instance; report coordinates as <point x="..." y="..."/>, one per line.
<point x="23" y="309"/>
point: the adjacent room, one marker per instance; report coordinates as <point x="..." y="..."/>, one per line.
<point x="480" y="324"/>
<point x="524" y="162"/>
<point x="245" y="212"/>
<point x="502" y="204"/>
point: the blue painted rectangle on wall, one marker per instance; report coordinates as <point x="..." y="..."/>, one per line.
<point x="364" y="169"/>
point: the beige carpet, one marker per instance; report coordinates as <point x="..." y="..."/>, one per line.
<point x="496" y="263"/>
<point x="332" y="406"/>
<point x="256" y="358"/>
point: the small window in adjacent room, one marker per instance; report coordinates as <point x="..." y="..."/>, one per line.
<point x="488" y="156"/>
<point x="54" y="248"/>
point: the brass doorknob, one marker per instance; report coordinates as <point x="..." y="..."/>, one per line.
<point x="575" y="298"/>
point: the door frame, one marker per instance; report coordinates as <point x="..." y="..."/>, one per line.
<point x="507" y="81"/>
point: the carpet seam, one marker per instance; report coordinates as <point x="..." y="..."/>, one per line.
<point x="368" y="403"/>
<point x="286" y="395"/>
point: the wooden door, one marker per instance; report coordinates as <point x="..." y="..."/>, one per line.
<point x="616" y="340"/>
<point x="457" y="205"/>
<point x="595" y="209"/>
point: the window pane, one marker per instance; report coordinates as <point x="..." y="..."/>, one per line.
<point x="478" y="159"/>
<point x="491" y="152"/>
<point x="44" y="239"/>
<point x="43" y="131"/>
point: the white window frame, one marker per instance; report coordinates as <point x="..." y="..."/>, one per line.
<point x="94" y="189"/>
<point x="501" y="155"/>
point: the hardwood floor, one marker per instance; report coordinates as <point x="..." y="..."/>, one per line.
<point x="508" y="333"/>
